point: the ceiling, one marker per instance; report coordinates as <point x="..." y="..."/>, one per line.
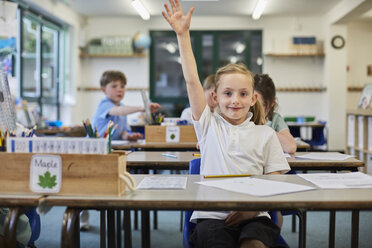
<point x="94" y="8"/>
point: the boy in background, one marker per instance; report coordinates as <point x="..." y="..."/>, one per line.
<point x="110" y="108"/>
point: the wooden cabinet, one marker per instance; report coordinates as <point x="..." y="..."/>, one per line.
<point x="359" y="136"/>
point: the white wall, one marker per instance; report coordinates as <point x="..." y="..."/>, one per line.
<point x="358" y="45"/>
<point x="295" y="72"/>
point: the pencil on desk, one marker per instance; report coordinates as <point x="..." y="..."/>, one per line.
<point x="196" y="155"/>
<point x="238" y="175"/>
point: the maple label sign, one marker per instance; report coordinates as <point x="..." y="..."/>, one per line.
<point x="45" y="173"/>
<point x="172" y="134"/>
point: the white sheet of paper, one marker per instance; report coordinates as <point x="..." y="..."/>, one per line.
<point x="255" y="186"/>
<point x="339" y="180"/>
<point x="325" y="156"/>
<point x="119" y="142"/>
<point x="156" y="182"/>
<point x="287" y="155"/>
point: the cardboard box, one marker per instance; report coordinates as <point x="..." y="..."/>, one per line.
<point x="154" y="133"/>
<point x="82" y="174"/>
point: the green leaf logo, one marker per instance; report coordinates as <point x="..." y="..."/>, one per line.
<point x="47" y="181"/>
<point x="172" y="136"/>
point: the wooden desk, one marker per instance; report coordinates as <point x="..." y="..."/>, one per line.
<point x="17" y="205"/>
<point x="153" y="160"/>
<point x="198" y="197"/>
<point x="351" y="164"/>
<point x="305" y="124"/>
<point x="62" y="132"/>
<point x="157" y="146"/>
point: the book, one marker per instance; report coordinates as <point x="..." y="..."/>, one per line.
<point x="365" y="98"/>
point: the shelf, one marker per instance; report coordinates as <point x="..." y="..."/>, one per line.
<point x="301" y="89"/>
<point x="92" y="89"/>
<point x="294" y="55"/>
<point x="366" y="112"/>
<point x="355" y="88"/>
<point x="135" y="55"/>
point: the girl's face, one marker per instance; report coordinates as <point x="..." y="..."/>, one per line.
<point x="115" y="91"/>
<point x="235" y="96"/>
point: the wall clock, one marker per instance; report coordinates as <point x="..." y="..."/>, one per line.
<point x="338" y="42"/>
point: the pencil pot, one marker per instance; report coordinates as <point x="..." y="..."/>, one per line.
<point x="80" y="174"/>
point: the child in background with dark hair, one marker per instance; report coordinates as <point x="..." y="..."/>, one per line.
<point x="110" y="108"/>
<point x="232" y="139"/>
<point x="209" y="86"/>
<point x="265" y="88"/>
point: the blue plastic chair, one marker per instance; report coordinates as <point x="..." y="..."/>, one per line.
<point x="34" y="220"/>
<point x="194" y="168"/>
<point x="318" y="137"/>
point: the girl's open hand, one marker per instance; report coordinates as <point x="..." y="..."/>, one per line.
<point x="178" y="21"/>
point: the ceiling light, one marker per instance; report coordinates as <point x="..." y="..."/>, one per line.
<point x="260" y="6"/>
<point x="140" y="8"/>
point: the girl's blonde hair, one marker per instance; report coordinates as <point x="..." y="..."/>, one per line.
<point x="257" y="109"/>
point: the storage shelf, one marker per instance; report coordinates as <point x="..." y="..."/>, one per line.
<point x="301" y="89"/>
<point x="294" y="55"/>
<point x="93" y="89"/>
<point x="135" y="55"/>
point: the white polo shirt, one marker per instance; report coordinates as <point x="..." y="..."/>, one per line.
<point x="236" y="149"/>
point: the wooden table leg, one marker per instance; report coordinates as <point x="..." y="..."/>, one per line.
<point x="355" y="228"/>
<point x="127" y="229"/>
<point x="102" y="228"/>
<point x="71" y="228"/>
<point x="332" y="227"/>
<point x="111" y="228"/>
<point x="10" y="228"/>
<point x="118" y="228"/>
<point x="145" y="221"/>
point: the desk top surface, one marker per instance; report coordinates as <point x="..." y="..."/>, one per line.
<point x="201" y="197"/>
<point x="182" y="159"/>
<point x="305" y="124"/>
<point x="180" y="145"/>
<point x="157" y="145"/>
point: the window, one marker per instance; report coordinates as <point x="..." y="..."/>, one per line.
<point x="212" y="49"/>
<point x="39" y="62"/>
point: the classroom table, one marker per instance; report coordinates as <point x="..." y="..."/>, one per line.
<point x="199" y="197"/>
<point x="152" y="160"/>
<point x="156" y="146"/>
<point x="17" y="204"/>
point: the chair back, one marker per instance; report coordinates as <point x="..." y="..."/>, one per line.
<point x="34" y="220"/>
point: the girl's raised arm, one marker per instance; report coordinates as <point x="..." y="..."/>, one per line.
<point x="181" y="25"/>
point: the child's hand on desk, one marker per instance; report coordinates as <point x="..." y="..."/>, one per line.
<point x="234" y="218"/>
<point x="154" y="107"/>
<point x="131" y="136"/>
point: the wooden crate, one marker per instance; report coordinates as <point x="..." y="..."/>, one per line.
<point x="156" y="133"/>
<point x="82" y="174"/>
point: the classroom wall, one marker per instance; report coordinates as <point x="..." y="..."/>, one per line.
<point x="358" y="45"/>
<point x="329" y="72"/>
<point x="290" y="72"/>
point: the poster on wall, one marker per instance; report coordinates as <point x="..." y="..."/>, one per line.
<point x="365" y="98"/>
<point x="7" y="49"/>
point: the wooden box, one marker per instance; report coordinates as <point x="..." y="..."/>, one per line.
<point x="156" y="133"/>
<point x="82" y="174"/>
